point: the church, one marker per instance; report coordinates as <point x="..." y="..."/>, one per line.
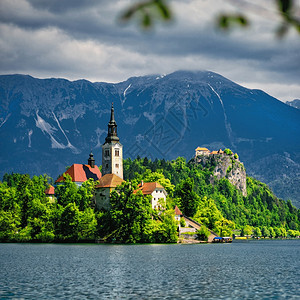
<point x="112" y="172"/>
<point x="112" y="165"/>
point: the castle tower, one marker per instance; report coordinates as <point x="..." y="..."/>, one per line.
<point x="112" y="149"/>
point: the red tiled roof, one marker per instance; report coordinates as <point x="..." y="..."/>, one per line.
<point x="148" y="187"/>
<point x="214" y="152"/>
<point x="109" y="180"/>
<point x="177" y="211"/>
<point x="81" y="173"/>
<point x="50" y="190"/>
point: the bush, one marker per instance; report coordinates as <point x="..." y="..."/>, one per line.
<point x="203" y="233"/>
<point x="182" y="222"/>
<point x="228" y="152"/>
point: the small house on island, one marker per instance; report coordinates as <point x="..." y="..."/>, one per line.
<point x="178" y="214"/>
<point x="50" y="191"/>
<point x="81" y="172"/>
<point x="157" y="192"/>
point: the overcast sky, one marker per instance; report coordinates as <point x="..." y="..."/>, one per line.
<point x="82" y="39"/>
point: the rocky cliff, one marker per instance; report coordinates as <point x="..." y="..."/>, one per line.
<point x="226" y="166"/>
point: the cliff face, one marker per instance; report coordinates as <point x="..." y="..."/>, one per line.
<point x="226" y="166"/>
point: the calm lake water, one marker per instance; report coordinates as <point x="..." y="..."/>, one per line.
<point x="241" y="270"/>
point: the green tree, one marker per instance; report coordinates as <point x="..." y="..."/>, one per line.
<point x="228" y="151"/>
<point x="272" y="232"/>
<point x="165" y="230"/>
<point x="293" y="233"/>
<point x="247" y="230"/>
<point x="66" y="192"/>
<point x="189" y="200"/>
<point x="9" y="225"/>
<point x="208" y="213"/>
<point x="87" y="227"/>
<point x="283" y="232"/>
<point x="130" y="215"/>
<point x="257" y="232"/>
<point x="68" y="223"/>
<point x="85" y="194"/>
<point x="203" y="233"/>
<point x="224" y="227"/>
<point x="265" y="232"/>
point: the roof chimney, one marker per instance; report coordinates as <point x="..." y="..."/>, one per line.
<point x="142" y="183"/>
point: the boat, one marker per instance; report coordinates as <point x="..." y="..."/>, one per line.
<point x="226" y="239"/>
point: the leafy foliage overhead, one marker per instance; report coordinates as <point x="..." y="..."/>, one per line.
<point x="149" y="11"/>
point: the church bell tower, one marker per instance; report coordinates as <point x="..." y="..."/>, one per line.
<point x="112" y="149"/>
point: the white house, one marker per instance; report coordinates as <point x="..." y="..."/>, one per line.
<point x="157" y="192"/>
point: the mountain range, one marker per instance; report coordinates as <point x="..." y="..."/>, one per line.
<point x="48" y="124"/>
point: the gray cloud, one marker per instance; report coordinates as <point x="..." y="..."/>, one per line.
<point x="82" y="39"/>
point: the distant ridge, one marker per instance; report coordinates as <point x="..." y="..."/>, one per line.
<point x="48" y="124"/>
<point x="294" y="103"/>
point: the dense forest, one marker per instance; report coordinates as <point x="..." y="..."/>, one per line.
<point x="26" y="214"/>
<point x="220" y="204"/>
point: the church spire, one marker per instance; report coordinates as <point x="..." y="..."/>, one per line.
<point x="112" y="114"/>
<point x="112" y="149"/>
<point x="112" y="127"/>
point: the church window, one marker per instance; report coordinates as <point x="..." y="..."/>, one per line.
<point x="106" y="153"/>
<point x="106" y="166"/>
<point x="117" y="152"/>
<point x="117" y="165"/>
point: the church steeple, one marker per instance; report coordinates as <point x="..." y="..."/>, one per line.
<point x="112" y="149"/>
<point x="112" y="135"/>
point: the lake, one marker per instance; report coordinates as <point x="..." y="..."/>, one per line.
<point x="242" y="270"/>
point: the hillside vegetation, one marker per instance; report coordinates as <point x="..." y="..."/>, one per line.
<point x="199" y="194"/>
<point x="27" y="215"/>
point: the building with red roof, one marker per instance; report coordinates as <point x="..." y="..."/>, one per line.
<point x="102" y="191"/>
<point x="81" y="172"/>
<point x="157" y="192"/>
<point x="50" y="191"/>
<point x="178" y="213"/>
